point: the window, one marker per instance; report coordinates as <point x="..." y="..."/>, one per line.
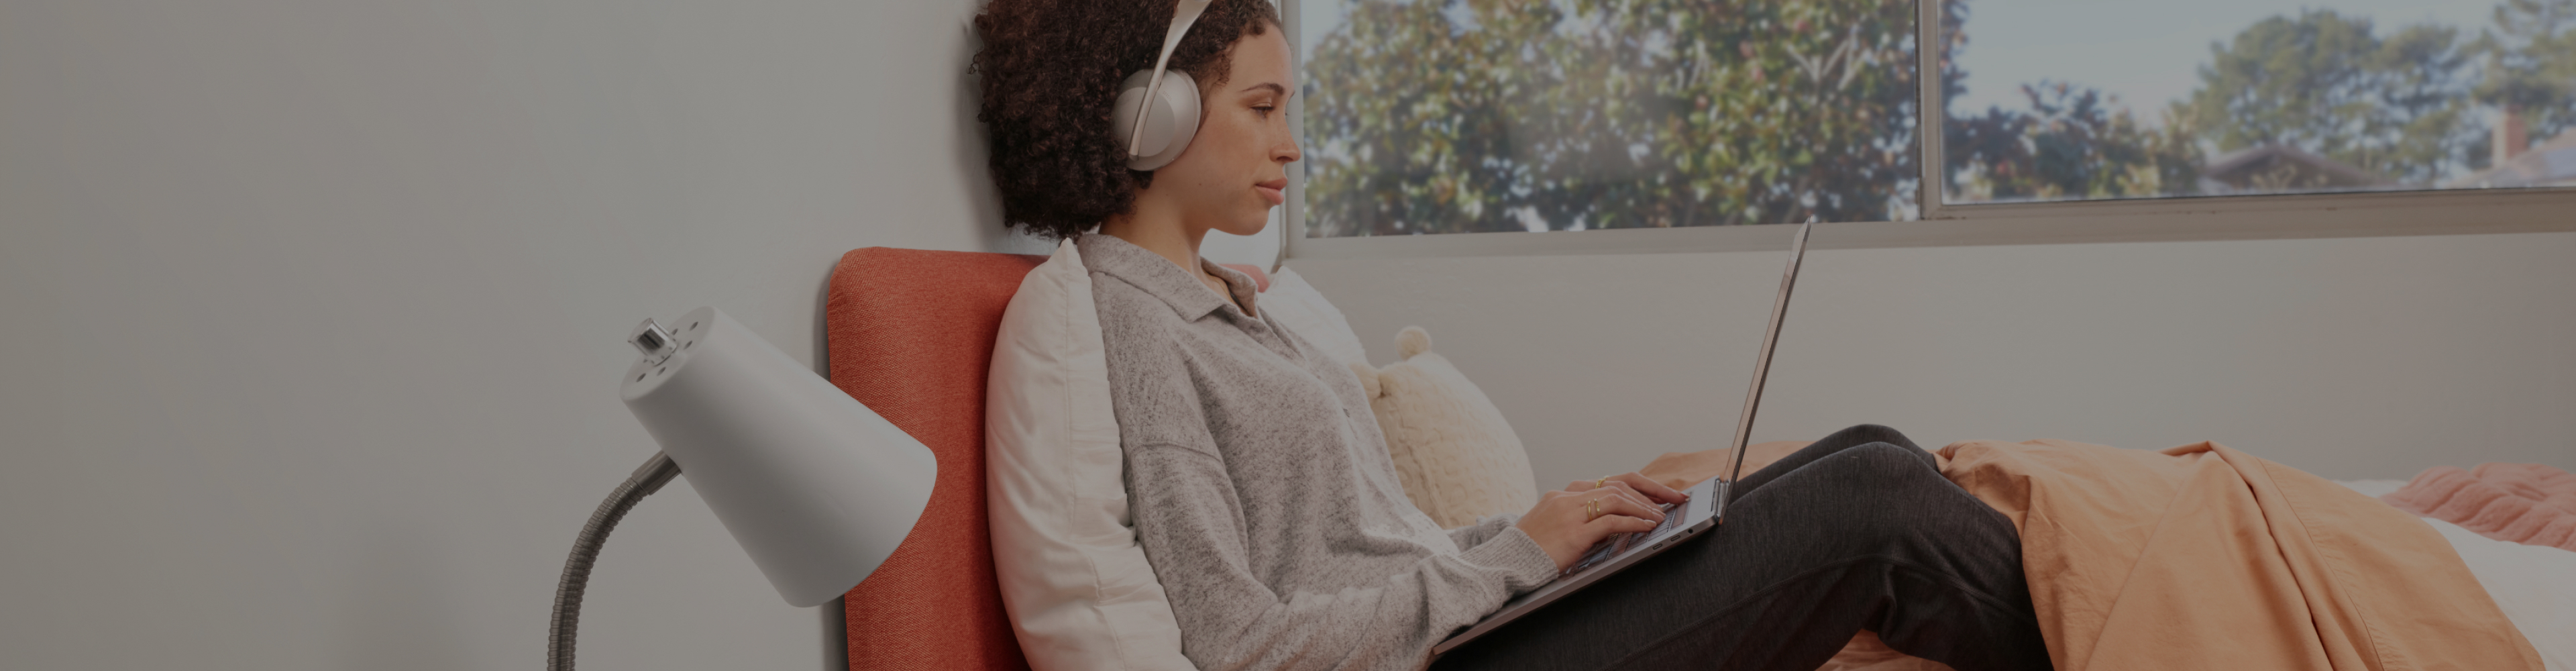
<point x="2057" y="100"/>
<point x="1433" y="116"/>
<point x="1462" y="116"/>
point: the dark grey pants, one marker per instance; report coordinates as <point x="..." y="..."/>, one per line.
<point x="1858" y="531"/>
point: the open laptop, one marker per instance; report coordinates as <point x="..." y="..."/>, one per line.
<point x="1705" y="509"/>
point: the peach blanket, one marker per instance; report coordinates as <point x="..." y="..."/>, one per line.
<point x="2203" y="557"/>
<point x="2529" y="504"/>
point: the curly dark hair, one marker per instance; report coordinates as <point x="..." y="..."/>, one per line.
<point x="1050" y="71"/>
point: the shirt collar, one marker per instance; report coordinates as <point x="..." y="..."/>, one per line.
<point x="1159" y="278"/>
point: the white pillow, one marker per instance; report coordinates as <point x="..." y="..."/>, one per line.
<point x="1079" y="591"/>
<point x="1457" y="458"/>
<point x="1296" y="305"/>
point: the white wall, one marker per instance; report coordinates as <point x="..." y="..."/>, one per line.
<point x="314" y="309"/>
<point x="2351" y="357"/>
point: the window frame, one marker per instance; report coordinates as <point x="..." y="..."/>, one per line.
<point x="2179" y="219"/>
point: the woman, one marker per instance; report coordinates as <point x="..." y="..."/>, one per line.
<point x="1260" y="484"/>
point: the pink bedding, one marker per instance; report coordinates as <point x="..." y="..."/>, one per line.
<point x="2529" y="504"/>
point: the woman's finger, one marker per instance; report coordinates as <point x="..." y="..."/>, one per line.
<point x="1631" y="493"/>
<point x="1623" y="504"/>
<point x="1620" y="524"/>
<point x="1641" y="484"/>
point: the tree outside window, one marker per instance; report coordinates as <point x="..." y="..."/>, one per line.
<point x="1445" y="116"/>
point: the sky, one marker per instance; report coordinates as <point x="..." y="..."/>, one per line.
<point x="1317" y="18"/>
<point x="2147" y="53"/>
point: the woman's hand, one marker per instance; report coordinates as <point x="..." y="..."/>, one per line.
<point x="1567" y="523"/>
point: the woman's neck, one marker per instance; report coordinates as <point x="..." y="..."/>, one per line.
<point x="1159" y="231"/>
<point x="1163" y="232"/>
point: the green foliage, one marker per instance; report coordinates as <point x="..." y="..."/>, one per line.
<point x="2328" y="84"/>
<point x="2531" y="63"/>
<point x="2069" y="145"/>
<point x="1441" y="116"/>
<point x="1445" y="116"/>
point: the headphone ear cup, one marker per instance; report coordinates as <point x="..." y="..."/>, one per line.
<point x="1174" y="119"/>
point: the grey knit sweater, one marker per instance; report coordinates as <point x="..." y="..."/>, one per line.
<point x="1262" y="491"/>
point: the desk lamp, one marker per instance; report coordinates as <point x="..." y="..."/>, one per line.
<point x="816" y="487"/>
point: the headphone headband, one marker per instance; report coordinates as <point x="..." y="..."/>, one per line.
<point x="1186" y="13"/>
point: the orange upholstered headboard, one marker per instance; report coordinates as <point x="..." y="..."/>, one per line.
<point x="911" y="335"/>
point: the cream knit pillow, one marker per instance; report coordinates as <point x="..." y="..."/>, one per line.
<point x="1457" y="459"/>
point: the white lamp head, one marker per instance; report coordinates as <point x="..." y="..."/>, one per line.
<point x="817" y="487"/>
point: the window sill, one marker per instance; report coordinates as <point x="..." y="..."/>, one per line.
<point x="2164" y="220"/>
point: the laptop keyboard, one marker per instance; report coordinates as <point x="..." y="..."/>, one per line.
<point x="1612" y="546"/>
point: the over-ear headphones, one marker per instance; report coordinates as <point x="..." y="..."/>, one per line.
<point x="1156" y="132"/>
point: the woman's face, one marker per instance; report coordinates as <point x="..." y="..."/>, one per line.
<point x="1236" y="168"/>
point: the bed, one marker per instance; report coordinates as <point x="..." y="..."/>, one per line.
<point x="910" y="334"/>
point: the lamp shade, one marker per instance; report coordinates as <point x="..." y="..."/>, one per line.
<point x="814" y="485"/>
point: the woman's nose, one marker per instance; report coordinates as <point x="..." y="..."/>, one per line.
<point x="1287" y="152"/>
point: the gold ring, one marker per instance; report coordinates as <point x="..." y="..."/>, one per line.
<point x="1603" y="482"/>
<point x="1594" y="506"/>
